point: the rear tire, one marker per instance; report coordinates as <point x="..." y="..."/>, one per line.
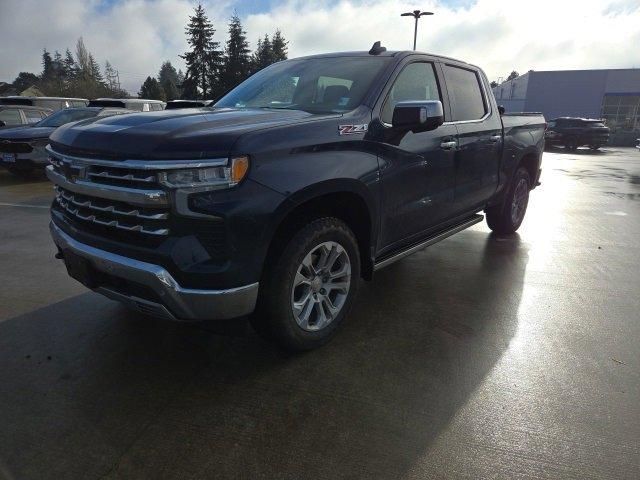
<point x="309" y="289"/>
<point x="571" y="143"/>
<point x="508" y="216"/>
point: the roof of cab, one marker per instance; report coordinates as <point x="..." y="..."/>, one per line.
<point x="128" y="100"/>
<point x="23" y="107"/>
<point x="398" y="53"/>
<point x="19" y="97"/>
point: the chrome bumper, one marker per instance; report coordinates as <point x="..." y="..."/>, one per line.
<point x="176" y="302"/>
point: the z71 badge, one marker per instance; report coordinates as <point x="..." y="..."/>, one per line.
<point x="351" y="129"/>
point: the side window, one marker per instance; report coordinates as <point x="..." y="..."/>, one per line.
<point x="33" y="116"/>
<point x="156" y="107"/>
<point x="465" y="94"/>
<point x="11" y="116"/>
<point x="417" y="81"/>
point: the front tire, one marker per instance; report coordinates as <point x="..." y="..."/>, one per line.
<point x="310" y="287"/>
<point x="508" y="216"/>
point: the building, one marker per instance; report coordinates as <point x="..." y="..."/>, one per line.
<point x="611" y="95"/>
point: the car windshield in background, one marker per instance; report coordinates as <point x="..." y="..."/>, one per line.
<point x="317" y="85"/>
<point x="66" y="116"/>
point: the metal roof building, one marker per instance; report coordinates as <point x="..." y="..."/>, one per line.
<point x="611" y="95"/>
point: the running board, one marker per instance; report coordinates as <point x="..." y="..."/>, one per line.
<point x="422" y="245"/>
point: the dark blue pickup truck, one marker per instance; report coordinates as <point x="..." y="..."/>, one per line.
<point x="303" y="180"/>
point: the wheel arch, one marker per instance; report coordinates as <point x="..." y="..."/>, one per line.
<point x="345" y="199"/>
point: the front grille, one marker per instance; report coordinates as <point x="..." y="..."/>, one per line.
<point x="125" y="202"/>
<point x="15" y="147"/>
<point x="112" y="214"/>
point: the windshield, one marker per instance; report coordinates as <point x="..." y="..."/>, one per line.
<point x="65" y="116"/>
<point x="317" y="85"/>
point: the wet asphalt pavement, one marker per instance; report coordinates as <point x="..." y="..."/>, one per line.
<point x="480" y="357"/>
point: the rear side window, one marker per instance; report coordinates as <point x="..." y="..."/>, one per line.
<point x="52" y="104"/>
<point x="155" y="107"/>
<point x="465" y="94"/>
<point x="417" y="81"/>
<point x="33" y="116"/>
<point x="11" y="116"/>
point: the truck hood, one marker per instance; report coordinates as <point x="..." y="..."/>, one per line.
<point x="25" y="132"/>
<point x="170" y="134"/>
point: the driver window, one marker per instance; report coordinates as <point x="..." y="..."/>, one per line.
<point x="417" y="81"/>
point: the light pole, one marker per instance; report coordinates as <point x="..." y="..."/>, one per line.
<point x="415" y="14"/>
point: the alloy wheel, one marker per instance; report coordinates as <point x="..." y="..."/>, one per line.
<point x="321" y="286"/>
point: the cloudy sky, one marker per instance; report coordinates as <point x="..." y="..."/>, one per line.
<point x="499" y="35"/>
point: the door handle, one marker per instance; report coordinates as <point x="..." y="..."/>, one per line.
<point x="495" y="138"/>
<point x="448" y="145"/>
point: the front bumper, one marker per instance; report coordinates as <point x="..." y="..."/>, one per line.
<point x="168" y="299"/>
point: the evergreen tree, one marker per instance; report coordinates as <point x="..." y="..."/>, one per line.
<point x="513" y="75"/>
<point x="69" y="67"/>
<point x="236" y="60"/>
<point x="151" y="90"/>
<point x="189" y="89"/>
<point x="279" y="47"/>
<point x="168" y="78"/>
<point x="263" y="54"/>
<point x="47" y="66"/>
<point x="58" y="73"/>
<point x="204" y="59"/>
<point x="94" y="70"/>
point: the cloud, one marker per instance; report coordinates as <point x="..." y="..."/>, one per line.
<point x="500" y="36"/>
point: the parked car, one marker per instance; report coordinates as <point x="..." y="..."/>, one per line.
<point x="638" y="143"/>
<point x="22" y="148"/>
<point x="576" y="132"/>
<point x="310" y="175"/>
<point x="175" y="104"/>
<point x="53" y="103"/>
<point x="139" y="104"/>
<point x="15" y="115"/>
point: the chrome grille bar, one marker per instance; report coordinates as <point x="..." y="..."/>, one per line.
<point x="128" y="177"/>
<point x="87" y="203"/>
<point x="134" y="196"/>
<point x="75" y="211"/>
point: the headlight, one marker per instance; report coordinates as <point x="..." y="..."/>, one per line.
<point x="221" y="177"/>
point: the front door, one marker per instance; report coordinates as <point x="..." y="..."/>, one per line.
<point x="417" y="169"/>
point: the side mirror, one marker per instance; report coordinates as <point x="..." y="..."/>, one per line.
<point x="501" y="110"/>
<point x="418" y="116"/>
<point x="3" y="123"/>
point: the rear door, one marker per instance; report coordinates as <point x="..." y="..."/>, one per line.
<point x="479" y="148"/>
<point x="416" y="168"/>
